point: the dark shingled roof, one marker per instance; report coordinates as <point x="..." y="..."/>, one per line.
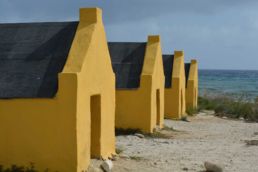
<point x="127" y="62"/>
<point x="187" y="70"/>
<point x="31" y="56"/>
<point x="168" y="61"/>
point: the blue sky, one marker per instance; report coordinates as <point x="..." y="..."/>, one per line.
<point x="221" y="34"/>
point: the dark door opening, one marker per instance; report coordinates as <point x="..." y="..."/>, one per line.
<point x="182" y="103"/>
<point x="95" y="109"/>
<point x="158" y="107"/>
<point x="195" y="98"/>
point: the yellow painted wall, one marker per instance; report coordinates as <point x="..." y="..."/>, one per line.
<point x="136" y="108"/>
<point x="175" y="96"/>
<point x="191" y="92"/>
<point x="55" y="133"/>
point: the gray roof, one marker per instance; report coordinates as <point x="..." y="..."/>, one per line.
<point x="127" y="62"/>
<point x="187" y="70"/>
<point x="31" y="56"/>
<point x="168" y="61"/>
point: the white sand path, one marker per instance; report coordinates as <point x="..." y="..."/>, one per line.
<point x="205" y="138"/>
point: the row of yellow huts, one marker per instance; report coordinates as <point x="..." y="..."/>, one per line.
<point x="58" y="102"/>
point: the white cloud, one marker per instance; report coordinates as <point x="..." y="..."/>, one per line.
<point x="220" y="33"/>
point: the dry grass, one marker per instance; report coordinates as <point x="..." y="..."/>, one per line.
<point x="191" y="111"/>
<point x="119" y="151"/>
<point x="232" y="108"/>
<point x="158" y="135"/>
<point x="15" y="168"/>
<point x="166" y="128"/>
<point x="136" y="158"/>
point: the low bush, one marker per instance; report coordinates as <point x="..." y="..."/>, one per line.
<point x="15" y="168"/>
<point x="167" y="128"/>
<point x="232" y="108"/>
<point x="136" y="158"/>
<point x="191" y="111"/>
<point x="157" y="135"/>
<point x="205" y="104"/>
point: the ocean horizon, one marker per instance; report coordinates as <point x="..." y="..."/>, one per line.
<point x="235" y="83"/>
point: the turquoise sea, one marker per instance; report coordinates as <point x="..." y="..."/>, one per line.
<point x="236" y="83"/>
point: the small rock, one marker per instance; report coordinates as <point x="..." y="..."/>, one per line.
<point x="185" y="119"/>
<point x="165" y="142"/>
<point x="224" y="117"/>
<point x="212" y="167"/>
<point x="251" y="142"/>
<point x="98" y="170"/>
<point x="241" y="118"/>
<point x="114" y="158"/>
<point x="255" y="133"/>
<point x="185" y="169"/>
<point x="93" y="169"/>
<point x="139" y="135"/>
<point x="119" y="149"/>
<point x="123" y="156"/>
<point x="107" y="166"/>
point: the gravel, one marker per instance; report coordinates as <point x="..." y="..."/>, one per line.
<point x="205" y="138"/>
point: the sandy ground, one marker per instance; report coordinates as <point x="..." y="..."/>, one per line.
<point x="204" y="138"/>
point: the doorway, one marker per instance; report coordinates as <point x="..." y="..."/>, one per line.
<point x="182" y="103"/>
<point x="158" y="106"/>
<point x="95" y="109"/>
<point x="195" y="98"/>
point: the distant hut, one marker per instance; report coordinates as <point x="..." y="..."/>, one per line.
<point x="191" y="93"/>
<point x="57" y="94"/>
<point x="174" y="85"/>
<point x="139" y="84"/>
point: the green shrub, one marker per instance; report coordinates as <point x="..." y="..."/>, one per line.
<point x="205" y="104"/>
<point x="15" y="168"/>
<point x="256" y="100"/>
<point x="230" y="107"/>
<point x="191" y="111"/>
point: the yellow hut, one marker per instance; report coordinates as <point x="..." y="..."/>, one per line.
<point x="57" y="94"/>
<point x="191" y="92"/>
<point x="139" y="84"/>
<point x="174" y="85"/>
